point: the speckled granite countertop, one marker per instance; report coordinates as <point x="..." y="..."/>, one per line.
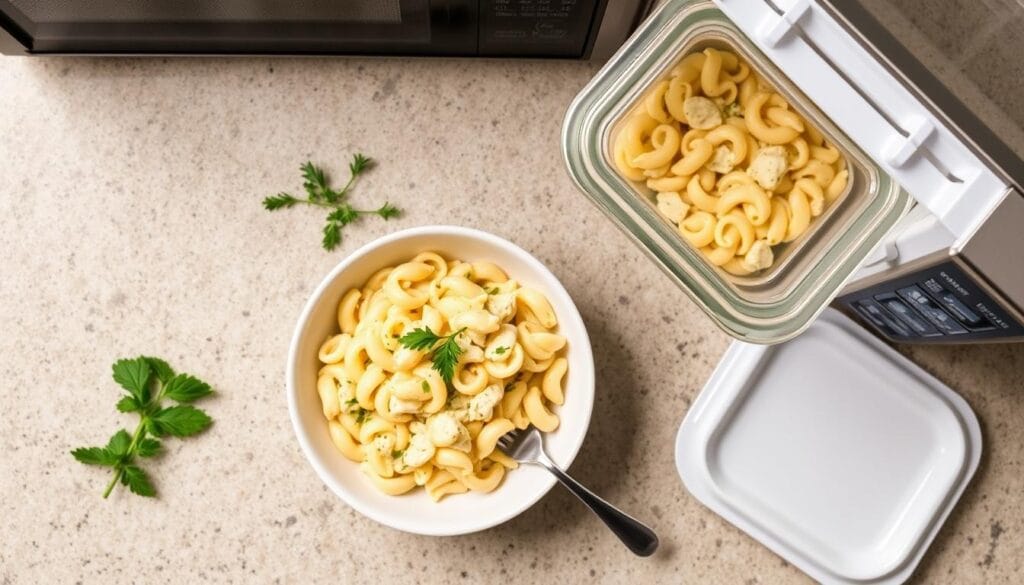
<point x="129" y="199"/>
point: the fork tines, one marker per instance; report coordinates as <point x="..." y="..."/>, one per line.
<point x="506" y="441"/>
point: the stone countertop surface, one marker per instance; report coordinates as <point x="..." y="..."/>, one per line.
<point x="130" y="204"/>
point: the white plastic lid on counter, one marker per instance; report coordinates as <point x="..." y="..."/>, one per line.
<point x="832" y="449"/>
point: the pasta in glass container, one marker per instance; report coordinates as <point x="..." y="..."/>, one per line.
<point x="731" y="163"/>
<point x="649" y="79"/>
<point x="395" y="409"/>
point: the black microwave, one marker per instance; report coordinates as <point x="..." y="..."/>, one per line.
<point x="566" y="29"/>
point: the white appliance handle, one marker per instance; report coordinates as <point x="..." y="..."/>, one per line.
<point x="873" y="108"/>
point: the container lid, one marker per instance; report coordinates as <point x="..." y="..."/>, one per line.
<point x="832" y="450"/>
<point x="765" y="307"/>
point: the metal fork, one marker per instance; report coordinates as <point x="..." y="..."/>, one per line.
<point x="527" y="447"/>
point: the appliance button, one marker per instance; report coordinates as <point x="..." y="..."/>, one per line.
<point x="907" y="315"/>
<point x="958" y="308"/>
<point x="881" y="319"/>
<point x="927" y="307"/>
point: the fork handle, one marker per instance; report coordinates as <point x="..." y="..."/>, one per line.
<point x="636" y="536"/>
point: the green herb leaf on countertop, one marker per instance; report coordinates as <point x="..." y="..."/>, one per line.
<point x="359" y="164"/>
<point x="148" y="381"/>
<point x="180" y="421"/>
<point x="332" y="236"/>
<point x="315" y="182"/>
<point x="279" y="201"/>
<point x="148" y="447"/>
<point x="387" y="211"/>
<point x="133" y="376"/>
<point x="128" y="404"/>
<point x="95" y="456"/>
<point x="120" y="443"/>
<point x="319" y="194"/>
<point x="185" y="388"/>
<point x="343" y="215"/>
<point x="163" y="371"/>
<point x="137" y="481"/>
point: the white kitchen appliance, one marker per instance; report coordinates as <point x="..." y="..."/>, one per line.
<point x="812" y="435"/>
<point x="948" y="272"/>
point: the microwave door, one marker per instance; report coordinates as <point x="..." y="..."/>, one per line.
<point x="353" y="27"/>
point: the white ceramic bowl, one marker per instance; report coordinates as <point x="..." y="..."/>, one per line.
<point x="416" y="512"/>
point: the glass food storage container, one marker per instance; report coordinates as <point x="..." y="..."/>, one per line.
<point x="769" y="306"/>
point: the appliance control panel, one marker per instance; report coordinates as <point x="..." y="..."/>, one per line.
<point x="938" y="304"/>
<point x="535" y="27"/>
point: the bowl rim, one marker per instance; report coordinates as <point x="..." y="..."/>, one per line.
<point x="413" y="526"/>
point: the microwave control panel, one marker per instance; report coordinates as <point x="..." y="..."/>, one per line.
<point x="544" y="28"/>
<point x="938" y="304"/>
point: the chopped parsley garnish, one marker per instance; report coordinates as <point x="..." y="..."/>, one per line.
<point x="732" y="110"/>
<point x="362" y="415"/>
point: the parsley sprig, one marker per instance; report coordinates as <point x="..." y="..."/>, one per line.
<point x="319" y="194"/>
<point x="445" y="356"/>
<point x="147" y="381"/>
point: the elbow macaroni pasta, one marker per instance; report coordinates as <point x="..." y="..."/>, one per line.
<point x="390" y="411"/>
<point x="733" y="166"/>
